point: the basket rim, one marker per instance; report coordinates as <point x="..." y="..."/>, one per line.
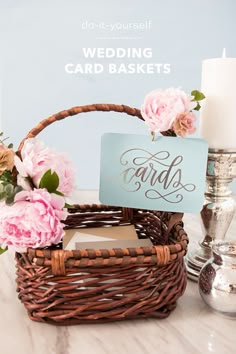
<point x="159" y="255"/>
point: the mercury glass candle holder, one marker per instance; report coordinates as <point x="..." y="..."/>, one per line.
<point x="218" y="209"/>
<point x="217" y="280"/>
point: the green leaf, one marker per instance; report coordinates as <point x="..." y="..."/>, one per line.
<point x="10" y="146"/>
<point x="198" y="95"/>
<point x="2" y="250"/>
<point x="68" y="206"/>
<point x="6" y="178"/>
<point x="2" y="195"/>
<point x="50" y="181"/>
<point x="9" y="189"/>
<point x="8" y="192"/>
<point x="59" y="193"/>
<point x="197" y="108"/>
<point x="10" y="199"/>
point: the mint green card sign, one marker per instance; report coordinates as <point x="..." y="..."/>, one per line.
<point x="166" y="174"/>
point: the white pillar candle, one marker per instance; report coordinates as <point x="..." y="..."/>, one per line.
<point x="218" y="112"/>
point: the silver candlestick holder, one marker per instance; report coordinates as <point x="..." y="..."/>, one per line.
<point x="218" y="209"/>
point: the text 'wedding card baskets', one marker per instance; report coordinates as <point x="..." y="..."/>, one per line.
<point x="150" y="182"/>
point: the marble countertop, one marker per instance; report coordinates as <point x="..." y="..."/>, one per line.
<point x="192" y="328"/>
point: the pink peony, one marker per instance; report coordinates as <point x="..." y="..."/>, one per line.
<point x="32" y="221"/>
<point x="161" y="107"/>
<point x="37" y="159"/>
<point x="184" y="124"/>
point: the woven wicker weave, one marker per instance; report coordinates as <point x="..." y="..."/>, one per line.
<point x="86" y="286"/>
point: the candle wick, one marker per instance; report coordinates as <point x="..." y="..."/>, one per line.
<point x="224" y="53"/>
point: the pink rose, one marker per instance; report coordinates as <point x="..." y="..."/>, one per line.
<point x="37" y="159"/>
<point x="184" y="124"/>
<point x="32" y="221"/>
<point x="6" y="158"/>
<point x="161" y="107"/>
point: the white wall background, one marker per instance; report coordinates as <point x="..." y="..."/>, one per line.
<point x="37" y="39"/>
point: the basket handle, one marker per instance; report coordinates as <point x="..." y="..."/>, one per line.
<point x="102" y="107"/>
<point x="77" y="110"/>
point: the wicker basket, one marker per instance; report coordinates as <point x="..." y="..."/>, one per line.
<point x="86" y="286"/>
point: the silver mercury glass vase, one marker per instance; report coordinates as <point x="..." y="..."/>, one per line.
<point x="218" y="209"/>
<point x="217" y="280"/>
